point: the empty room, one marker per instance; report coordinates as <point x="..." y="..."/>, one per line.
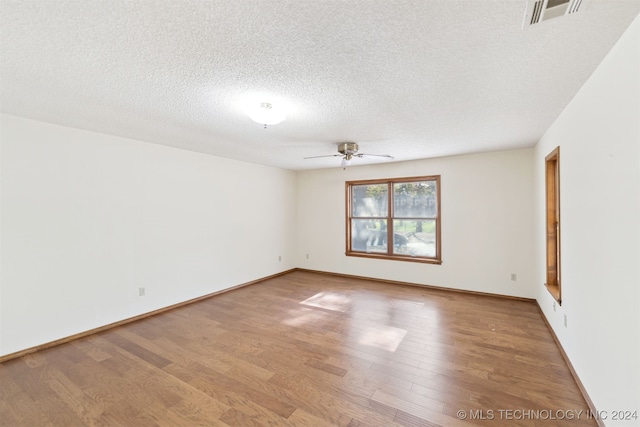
<point x="320" y="213"/>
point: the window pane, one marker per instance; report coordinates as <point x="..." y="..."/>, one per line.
<point x="414" y="238"/>
<point x="369" y="200"/>
<point x="415" y="199"/>
<point x="369" y="235"/>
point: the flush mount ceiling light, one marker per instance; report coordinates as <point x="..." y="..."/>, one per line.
<point x="265" y="114"/>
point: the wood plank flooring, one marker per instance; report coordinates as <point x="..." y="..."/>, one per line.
<point x="306" y="349"/>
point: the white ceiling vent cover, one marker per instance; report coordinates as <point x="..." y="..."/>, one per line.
<point x="543" y="10"/>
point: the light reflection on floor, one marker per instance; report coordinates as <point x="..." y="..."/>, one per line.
<point x="305" y="316"/>
<point x="329" y="301"/>
<point x="383" y="337"/>
<point x="372" y="317"/>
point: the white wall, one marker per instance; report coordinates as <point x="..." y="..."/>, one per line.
<point x="89" y="218"/>
<point x="599" y="138"/>
<point x="487" y="222"/>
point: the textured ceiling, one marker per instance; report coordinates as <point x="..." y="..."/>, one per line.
<point x="414" y="79"/>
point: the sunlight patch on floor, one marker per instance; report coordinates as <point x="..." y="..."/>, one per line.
<point x="305" y="316"/>
<point x="383" y="337"/>
<point x="329" y="301"/>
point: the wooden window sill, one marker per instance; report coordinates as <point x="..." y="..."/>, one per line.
<point x="554" y="290"/>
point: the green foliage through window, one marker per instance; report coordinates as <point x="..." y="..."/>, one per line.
<point x="396" y="219"/>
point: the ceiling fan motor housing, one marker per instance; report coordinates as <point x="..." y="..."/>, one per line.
<point x="347" y="148"/>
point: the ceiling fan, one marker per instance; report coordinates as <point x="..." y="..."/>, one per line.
<point x="349" y="150"/>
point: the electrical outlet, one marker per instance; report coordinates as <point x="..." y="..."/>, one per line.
<point x="307" y="256"/>
<point x="280" y="258"/>
<point x="565" y="320"/>
<point x="514" y="277"/>
<point x="141" y="292"/>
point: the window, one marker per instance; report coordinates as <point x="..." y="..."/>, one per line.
<point x="552" y="181"/>
<point x="395" y="219"/>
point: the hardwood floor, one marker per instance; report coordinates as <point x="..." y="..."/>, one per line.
<point x="306" y="349"/>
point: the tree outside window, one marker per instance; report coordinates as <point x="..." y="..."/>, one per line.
<point x="394" y="219"/>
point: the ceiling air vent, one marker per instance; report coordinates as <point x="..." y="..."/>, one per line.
<point x="543" y="10"/>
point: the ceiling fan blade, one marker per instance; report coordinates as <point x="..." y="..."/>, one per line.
<point x="328" y="155"/>
<point x="376" y="155"/>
